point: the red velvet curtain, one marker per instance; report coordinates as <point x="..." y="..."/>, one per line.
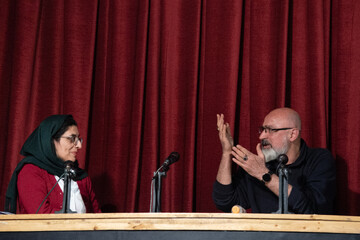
<point x="145" y="78"/>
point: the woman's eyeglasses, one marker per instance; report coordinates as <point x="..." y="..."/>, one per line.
<point x="74" y="139"/>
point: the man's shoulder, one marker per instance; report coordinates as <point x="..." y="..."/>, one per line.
<point x="318" y="153"/>
<point x="320" y="159"/>
<point x="309" y="152"/>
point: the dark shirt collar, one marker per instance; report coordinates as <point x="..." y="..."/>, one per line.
<point x="301" y="158"/>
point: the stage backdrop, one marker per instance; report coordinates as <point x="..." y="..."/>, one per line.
<point x="145" y="78"/>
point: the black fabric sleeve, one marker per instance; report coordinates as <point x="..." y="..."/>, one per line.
<point x="226" y="196"/>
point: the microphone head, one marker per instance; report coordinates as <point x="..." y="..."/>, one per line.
<point x="69" y="168"/>
<point x="283" y="159"/>
<point x="173" y="157"/>
<point x="69" y="164"/>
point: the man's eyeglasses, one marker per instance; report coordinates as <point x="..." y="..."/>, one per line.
<point x="271" y="130"/>
<point x="74" y="139"/>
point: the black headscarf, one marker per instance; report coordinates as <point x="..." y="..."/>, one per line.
<point x="39" y="150"/>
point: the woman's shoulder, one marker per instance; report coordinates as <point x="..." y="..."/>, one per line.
<point x="31" y="169"/>
<point x="84" y="183"/>
<point x="85" y="180"/>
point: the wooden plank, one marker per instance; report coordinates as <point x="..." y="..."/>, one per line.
<point x="181" y="221"/>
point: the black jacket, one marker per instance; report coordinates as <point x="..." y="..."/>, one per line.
<point x="313" y="180"/>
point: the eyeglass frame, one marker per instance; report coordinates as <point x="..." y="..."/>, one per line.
<point x="272" y="130"/>
<point x="74" y="139"/>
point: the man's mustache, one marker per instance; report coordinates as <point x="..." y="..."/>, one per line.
<point x="265" y="142"/>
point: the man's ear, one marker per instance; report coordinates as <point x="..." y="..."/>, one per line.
<point x="294" y="134"/>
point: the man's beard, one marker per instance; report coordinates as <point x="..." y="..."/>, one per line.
<point x="272" y="153"/>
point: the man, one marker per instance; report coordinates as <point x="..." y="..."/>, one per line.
<point x="311" y="181"/>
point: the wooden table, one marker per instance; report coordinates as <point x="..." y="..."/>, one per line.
<point x="178" y="226"/>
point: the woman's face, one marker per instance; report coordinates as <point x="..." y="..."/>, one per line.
<point x="68" y="145"/>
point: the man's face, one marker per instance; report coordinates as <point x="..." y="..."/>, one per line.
<point x="272" y="147"/>
<point x="273" y="141"/>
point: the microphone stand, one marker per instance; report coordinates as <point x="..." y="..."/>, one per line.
<point x="283" y="189"/>
<point x="67" y="193"/>
<point x="155" y="200"/>
<point x="155" y="205"/>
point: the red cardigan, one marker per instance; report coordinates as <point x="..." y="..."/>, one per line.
<point x="34" y="184"/>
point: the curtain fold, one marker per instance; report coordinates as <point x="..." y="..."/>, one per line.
<point x="146" y="78"/>
<point x="345" y="87"/>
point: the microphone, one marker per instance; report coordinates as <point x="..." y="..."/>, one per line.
<point x="283" y="159"/>
<point x="69" y="169"/>
<point x="172" y="158"/>
<point x="155" y="200"/>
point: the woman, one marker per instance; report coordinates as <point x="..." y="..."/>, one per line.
<point x="55" y="141"/>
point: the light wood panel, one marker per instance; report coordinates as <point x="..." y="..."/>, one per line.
<point x="180" y="221"/>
